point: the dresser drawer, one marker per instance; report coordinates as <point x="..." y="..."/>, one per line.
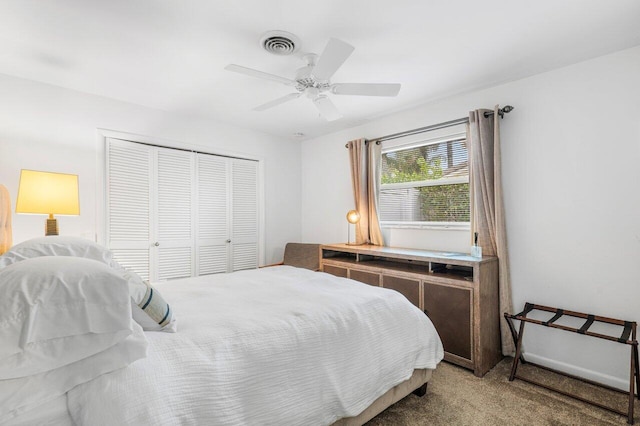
<point x="407" y="287"/>
<point x="366" y="277"/>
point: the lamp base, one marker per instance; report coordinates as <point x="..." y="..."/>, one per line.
<point x="51" y="227"/>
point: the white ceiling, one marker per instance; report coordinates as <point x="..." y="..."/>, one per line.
<point x="171" y="54"/>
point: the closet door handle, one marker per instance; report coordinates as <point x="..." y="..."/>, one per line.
<point x="156" y="244"/>
<point x="228" y="241"/>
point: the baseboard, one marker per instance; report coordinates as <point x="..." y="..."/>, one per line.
<point x="606" y="379"/>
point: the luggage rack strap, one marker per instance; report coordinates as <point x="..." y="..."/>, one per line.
<point x="626" y="332"/>
<point x="586" y="324"/>
<point x="528" y="307"/>
<point x="559" y="313"/>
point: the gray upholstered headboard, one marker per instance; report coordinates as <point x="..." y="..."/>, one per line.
<point x="5" y="220"/>
<point x="302" y="255"/>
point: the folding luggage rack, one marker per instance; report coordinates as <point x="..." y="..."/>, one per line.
<point x="628" y="337"/>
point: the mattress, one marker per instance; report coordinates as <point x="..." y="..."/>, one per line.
<point x="273" y="346"/>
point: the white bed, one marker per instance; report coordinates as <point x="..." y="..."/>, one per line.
<point x="52" y="413"/>
<point x="273" y="346"/>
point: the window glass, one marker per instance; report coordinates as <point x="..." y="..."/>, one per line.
<point x="426" y="183"/>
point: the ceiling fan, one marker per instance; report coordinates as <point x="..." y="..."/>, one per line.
<point x="313" y="80"/>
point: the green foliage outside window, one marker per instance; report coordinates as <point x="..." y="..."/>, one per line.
<point x="438" y="203"/>
<point x="445" y="203"/>
<point x="403" y="166"/>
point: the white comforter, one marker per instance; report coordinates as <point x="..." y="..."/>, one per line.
<point x="275" y="346"/>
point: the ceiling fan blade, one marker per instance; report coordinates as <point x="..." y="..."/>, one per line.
<point x="365" y="89"/>
<point x="259" y="74"/>
<point x="278" y="101"/>
<point x="327" y="109"/>
<point x="334" y="55"/>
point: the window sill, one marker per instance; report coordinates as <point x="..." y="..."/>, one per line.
<point x="439" y="226"/>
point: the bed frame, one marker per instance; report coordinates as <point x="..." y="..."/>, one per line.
<point x="416" y="384"/>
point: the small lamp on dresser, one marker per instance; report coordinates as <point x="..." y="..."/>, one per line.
<point x="353" y="217"/>
<point x="48" y="193"/>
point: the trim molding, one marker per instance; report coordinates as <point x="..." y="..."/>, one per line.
<point x="606" y="379"/>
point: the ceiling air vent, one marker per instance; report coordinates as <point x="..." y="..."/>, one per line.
<point x="279" y="42"/>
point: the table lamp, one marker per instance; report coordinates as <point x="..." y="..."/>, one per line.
<point x="48" y="193"/>
<point x="353" y="217"/>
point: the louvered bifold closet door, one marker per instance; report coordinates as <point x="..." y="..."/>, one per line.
<point x="244" y="223"/>
<point x="129" y="175"/>
<point x="212" y="224"/>
<point x="174" y="228"/>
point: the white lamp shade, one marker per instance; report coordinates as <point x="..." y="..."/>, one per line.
<point x="48" y="193"/>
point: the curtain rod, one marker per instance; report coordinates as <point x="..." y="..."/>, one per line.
<point x="501" y="112"/>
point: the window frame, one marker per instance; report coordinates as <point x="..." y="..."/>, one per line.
<point x="457" y="226"/>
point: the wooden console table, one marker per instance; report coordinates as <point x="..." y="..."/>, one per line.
<point x="458" y="292"/>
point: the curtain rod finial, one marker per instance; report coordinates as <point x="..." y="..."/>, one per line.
<point x="502" y="111"/>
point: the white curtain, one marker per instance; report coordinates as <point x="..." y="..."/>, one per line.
<point x="375" y="165"/>
<point x="365" y="176"/>
<point x="487" y="205"/>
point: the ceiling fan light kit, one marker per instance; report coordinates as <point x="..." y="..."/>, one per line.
<point x="313" y="80"/>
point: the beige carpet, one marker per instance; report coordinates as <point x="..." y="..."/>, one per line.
<point x="456" y="397"/>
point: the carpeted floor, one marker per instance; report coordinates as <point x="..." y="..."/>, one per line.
<point x="456" y="397"/>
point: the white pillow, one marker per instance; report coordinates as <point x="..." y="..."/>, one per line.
<point x="57" y="246"/>
<point x="23" y="394"/>
<point x="56" y="310"/>
<point x="81" y="247"/>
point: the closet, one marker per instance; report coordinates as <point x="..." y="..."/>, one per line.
<point x="172" y="213"/>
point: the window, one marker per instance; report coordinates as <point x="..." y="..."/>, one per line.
<point x="426" y="183"/>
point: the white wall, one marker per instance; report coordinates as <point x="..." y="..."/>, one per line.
<point x="571" y="162"/>
<point x="43" y="127"/>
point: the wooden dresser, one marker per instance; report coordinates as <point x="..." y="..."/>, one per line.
<point x="458" y="292"/>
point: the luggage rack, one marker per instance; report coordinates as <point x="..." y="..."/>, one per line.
<point x="627" y="337"/>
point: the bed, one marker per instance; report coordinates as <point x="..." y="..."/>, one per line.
<point x="273" y="346"/>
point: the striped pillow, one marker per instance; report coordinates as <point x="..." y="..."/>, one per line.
<point x="155" y="307"/>
<point x="148" y="307"/>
